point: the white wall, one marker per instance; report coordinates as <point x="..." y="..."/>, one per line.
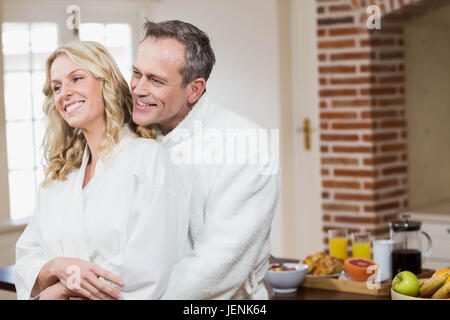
<point x="427" y="43"/>
<point x="244" y="37"/>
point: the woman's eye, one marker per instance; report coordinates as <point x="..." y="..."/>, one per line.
<point x="56" y="88"/>
<point x="75" y="79"/>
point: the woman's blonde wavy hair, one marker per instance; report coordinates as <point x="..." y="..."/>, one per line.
<point x="63" y="144"/>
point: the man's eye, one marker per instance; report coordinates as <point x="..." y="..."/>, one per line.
<point x="136" y="73"/>
<point x="156" y="81"/>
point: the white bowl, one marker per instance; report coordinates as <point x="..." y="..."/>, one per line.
<point x="399" y="296"/>
<point x="286" y="281"/>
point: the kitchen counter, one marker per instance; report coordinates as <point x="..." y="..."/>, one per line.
<point x="7" y="283"/>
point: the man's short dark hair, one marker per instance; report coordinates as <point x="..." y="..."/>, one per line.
<point x="199" y="56"/>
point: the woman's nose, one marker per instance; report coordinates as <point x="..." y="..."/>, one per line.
<point x="66" y="91"/>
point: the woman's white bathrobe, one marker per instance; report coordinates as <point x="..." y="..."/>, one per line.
<point x="131" y="219"/>
<point x="233" y="203"/>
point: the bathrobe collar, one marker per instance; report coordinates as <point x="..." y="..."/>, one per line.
<point x="195" y="119"/>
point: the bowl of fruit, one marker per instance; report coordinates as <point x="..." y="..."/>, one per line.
<point x="285" y="277"/>
<point x="406" y="286"/>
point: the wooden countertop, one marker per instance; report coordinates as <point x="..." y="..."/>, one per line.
<point x="7" y="283"/>
<point x="7" y="279"/>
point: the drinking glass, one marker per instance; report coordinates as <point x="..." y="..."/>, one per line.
<point x="338" y="243"/>
<point x="361" y="245"/>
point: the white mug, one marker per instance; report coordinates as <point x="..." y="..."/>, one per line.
<point x="382" y="255"/>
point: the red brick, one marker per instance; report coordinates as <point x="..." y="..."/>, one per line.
<point x="390" y="102"/>
<point x="339" y="137"/>
<point x="358" y="219"/>
<point x="358" y="80"/>
<point x="382" y="207"/>
<point x="346" y="31"/>
<point x="353" y="125"/>
<point x="393" y="194"/>
<point x="352" y="149"/>
<point x="339" y="161"/>
<point x="393" y="124"/>
<point x="393" y="147"/>
<point x="392" y="79"/>
<point x="355" y="173"/>
<point x="338" y="44"/>
<point x="337" y="69"/>
<point x="341" y="184"/>
<point x="378" y="114"/>
<point x="385" y="136"/>
<point x="337" y="92"/>
<point x="352" y="103"/>
<point x="352" y="56"/>
<point x="339" y="207"/>
<point x="378" y="91"/>
<point x="377" y="42"/>
<point x="380" y="160"/>
<point x="355" y="197"/>
<point x="394" y="170"/>
<point x="338" y="115"/>
<point x="381" y="184"/>
<point x="378" y="68"/>
<point x="340" y="8"/>
<point x="391" y="55"/>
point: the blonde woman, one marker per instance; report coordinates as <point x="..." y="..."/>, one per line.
<point x="111" y="216"/>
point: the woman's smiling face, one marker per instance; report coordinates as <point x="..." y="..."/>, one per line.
<point x="77" y="94"/>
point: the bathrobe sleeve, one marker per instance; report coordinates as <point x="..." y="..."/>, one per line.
<point x="158" y="226"/>
<point x="30" y="255"/>
<point x="239" y="215"/>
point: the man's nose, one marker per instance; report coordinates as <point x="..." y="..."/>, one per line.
<point x="142" y="87"/>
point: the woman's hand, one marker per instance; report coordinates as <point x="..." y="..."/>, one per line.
<point x="57" y="291"/>
<point x="80" y="277"/>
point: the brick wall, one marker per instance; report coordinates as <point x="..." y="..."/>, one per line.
<point x="363" y="132"/>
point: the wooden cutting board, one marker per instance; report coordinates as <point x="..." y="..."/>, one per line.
<point x="334" y="284"/>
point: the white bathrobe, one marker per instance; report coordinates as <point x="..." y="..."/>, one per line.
<point x="232" y="208"/>
<point x="131" y="219"/>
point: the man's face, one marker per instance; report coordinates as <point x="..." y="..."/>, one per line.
<point x="159" y="96"/>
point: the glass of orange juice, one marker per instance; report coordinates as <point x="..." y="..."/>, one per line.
<point x="361" y="245"/>
<point x="338" y="242"/>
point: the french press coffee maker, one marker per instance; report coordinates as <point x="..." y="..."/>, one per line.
<point x="407" y="253"/>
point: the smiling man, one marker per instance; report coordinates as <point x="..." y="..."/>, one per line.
<point x="233" y="202"/>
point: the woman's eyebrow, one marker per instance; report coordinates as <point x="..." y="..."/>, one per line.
<point x="68" y="75"/>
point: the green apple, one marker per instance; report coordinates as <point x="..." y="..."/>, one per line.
<point x="406" y="283"/>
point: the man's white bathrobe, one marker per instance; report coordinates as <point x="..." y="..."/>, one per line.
<point x="131" y="219"/>
<point x="233" y="202"/>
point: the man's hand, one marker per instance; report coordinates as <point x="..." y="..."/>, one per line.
<point x="80" y="277"/>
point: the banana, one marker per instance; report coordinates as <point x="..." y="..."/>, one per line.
<point x="433" y="284"/>
<point x="443" y="292"/>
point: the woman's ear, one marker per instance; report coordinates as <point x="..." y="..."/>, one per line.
<point x="195" y="90"/>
